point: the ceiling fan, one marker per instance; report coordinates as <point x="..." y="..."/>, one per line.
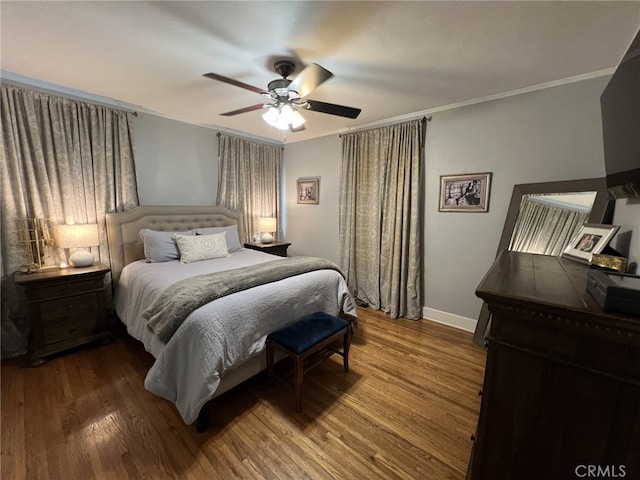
<point x="287" y="96"/>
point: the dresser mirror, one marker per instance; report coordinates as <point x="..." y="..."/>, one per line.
<point x="519" y="235"/>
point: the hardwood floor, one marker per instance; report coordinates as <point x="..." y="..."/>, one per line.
<point x="406" y="410"/>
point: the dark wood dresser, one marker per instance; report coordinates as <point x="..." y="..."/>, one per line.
<point x="561" y="394"/>
<point x="67" y="308"/>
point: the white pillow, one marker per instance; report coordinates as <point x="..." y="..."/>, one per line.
<point x="202" y="247"/>
<point x="233" y="240"/>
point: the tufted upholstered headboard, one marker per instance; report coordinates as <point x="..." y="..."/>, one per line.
<point x="125" y="245"/>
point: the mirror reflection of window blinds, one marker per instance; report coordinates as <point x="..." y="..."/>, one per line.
<point x="547" y="223"/>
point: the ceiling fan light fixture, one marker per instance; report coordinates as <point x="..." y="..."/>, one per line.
<point x="283" y="117"/>
<point x="296" y="119"/>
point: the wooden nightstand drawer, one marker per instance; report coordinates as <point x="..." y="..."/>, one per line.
<point x="65" y="289"/>
<point x="68" y="328"/>
<point x="67" y="308"/>
<point x="54" y="310"/>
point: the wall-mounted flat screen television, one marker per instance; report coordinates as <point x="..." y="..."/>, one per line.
<point x="620" y="105"/>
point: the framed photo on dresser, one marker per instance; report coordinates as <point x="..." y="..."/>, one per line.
<point x="591" y="238"/>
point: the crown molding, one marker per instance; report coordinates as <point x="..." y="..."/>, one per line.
<point x="488" y="98"/>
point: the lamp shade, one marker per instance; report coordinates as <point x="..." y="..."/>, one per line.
<point x="266" y="225"/>
<point x="78" y="236"/>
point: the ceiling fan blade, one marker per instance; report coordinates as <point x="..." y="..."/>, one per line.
<point x="257" y="106"/>
<point x="309" y="79"/>
<point x="297" y="129"/>
<point x="332" y="109"/>
<point x="237" y="83"/>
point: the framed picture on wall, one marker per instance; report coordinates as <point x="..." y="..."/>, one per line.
<point x="590" y="239"/>
<point x="309" y="190"/>
<point x="465" y="193"/>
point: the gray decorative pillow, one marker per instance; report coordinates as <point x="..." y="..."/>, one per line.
<point x="160" y="246"/>
<point x="202" y="247"/>
<point x="233" y="240"/>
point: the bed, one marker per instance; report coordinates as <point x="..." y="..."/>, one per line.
<point x="221" y="343"/>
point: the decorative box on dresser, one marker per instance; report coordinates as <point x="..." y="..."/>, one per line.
<point x="67" y="308"/>
<point x="274" y="248"/>
<point x="561" y="394"/>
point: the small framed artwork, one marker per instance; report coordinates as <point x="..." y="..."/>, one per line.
<point x="465" y="193"/>
<point x="309" y="190"/>
<point x="590" y="239"/>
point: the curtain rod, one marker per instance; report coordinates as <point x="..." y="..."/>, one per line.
<point x="250" y="138"/>
<point x="380" y="125"/>
<point x="66" y="95"/>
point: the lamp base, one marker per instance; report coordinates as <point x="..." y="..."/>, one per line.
<point x="266" y="238"/>
<point x="81" y="258"/>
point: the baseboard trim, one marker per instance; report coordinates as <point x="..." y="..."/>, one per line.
<point x="450" y="319"/>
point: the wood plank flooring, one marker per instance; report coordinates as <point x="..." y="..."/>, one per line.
<point x="406" y="410"/>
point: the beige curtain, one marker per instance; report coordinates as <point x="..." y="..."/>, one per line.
<point x="63" y="160"/>
<point x="545" y="228"/>
<point x="250" y="181"/>
<point x="380" y="217"/>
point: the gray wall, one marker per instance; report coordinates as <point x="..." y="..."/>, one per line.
<point x="547" y="135"/>
<point x="313" y="229"/>
<point x="176" y="163"/>
<point x="627" y="240"/>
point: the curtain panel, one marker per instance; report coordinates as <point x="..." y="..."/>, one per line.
<point x="380" y="217"/>
<point x="544" y="228"/>
<point x="250" y="181"/>
<point x="63" y="160"/>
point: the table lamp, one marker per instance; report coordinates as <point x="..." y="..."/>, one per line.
<point x="266" y="225"/>
<point x="78" y="236"/>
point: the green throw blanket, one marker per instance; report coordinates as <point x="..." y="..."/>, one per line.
<point x="177" y="302"/>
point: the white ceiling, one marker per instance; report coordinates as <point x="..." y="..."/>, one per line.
<point x="391" y="59"/>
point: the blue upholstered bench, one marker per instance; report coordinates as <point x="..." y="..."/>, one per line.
<point x="307" y="342"/>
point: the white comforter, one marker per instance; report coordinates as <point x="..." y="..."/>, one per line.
<point x="222" y="335"/>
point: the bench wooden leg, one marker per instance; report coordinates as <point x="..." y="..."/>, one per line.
<point x="346" y="343"/>
<point x="299" y="373"/>
<point x="270" y="362"/>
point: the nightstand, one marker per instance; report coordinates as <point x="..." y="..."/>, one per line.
<point x="274" y="248"/>
<point x="67" y="308"/>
